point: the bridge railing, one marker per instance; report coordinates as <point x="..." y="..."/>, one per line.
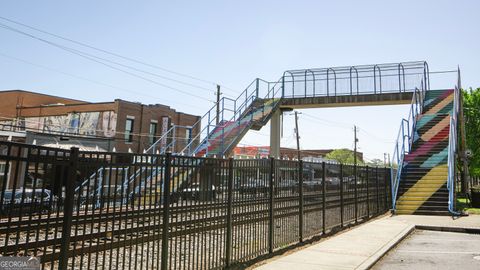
<point x="356" y="80"/>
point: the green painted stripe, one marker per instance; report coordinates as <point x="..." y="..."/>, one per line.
<point x="424" y="120"/>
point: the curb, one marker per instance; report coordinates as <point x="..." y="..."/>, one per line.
<point x="448" y="229"/>
<point x="372" y="260"/>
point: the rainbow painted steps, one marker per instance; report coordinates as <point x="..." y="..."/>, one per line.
<point x="224" y="137"/>
<point x="423" y="184"/>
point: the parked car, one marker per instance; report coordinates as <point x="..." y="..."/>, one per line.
<point x="312" y="185"/>
<point x="253" y="186"/>
<point x="286" y="185"/>
<point x="332" y="182"/>
<point x="28" y="200"/>
<point x="193" y="192"/>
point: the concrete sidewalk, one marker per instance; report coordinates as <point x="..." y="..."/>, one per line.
<point x="362" y="246"/>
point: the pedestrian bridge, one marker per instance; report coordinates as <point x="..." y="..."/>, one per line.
<point x="221" y="128"/>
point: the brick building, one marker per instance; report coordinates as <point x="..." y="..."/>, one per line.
<point x="126" y="126"/>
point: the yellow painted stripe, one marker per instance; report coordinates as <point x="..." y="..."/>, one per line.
<point x="440" y="105"/>
<point x="405" y="212"/>
<point x="421" y="197"/>
<point x="437" y="128"/>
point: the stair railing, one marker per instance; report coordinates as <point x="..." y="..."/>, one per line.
<point x="274" y="94"/>
<point x="452" y="147"/>
<point x="229" y="109"/>
<point x="404" y="142"/>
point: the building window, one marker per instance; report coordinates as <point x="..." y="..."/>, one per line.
<point x="2" y="169"/>
<point x="188" y="135"/>
<point x="129" y="130"/>
<point x="153" y="131"/>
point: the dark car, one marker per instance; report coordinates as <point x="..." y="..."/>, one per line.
<point x="286" y="185"/>
<point x="253" y="186"/>
<point x="193" y="192"/>
<point x="27" y="201"/>
<point x="313" y="185"/>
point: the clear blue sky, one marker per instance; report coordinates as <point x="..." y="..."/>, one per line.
<point x="234" y="42"/>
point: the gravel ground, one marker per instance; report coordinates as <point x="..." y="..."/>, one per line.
<point x="196" y="248"/>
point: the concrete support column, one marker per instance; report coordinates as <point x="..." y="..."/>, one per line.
<point x="275" y="129"/>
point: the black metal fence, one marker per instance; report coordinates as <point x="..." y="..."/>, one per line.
<point x="92" y="210"/>
<point x="474" y="181"/>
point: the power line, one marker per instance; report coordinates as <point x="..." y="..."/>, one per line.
<point x="332" y="123"/>
<point x="90" y="80"/>
<point x="118" y="55"/>
<point x="92" y="58"/>
<point x="376" y="137"/>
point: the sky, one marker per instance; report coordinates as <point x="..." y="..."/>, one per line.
<point x="232" y="43"/>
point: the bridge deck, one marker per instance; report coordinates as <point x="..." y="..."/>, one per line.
<point x="347" y="100"/>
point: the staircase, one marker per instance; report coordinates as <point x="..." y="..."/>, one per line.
<point x="423" y="181"/>
<point x="227" y="134"/>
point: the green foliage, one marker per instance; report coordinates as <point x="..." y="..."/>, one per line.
<point x="376" y="162"/>
<point x="471" y="110"/>
<point x="463" y="205"/>
<point x="344" y="156"/>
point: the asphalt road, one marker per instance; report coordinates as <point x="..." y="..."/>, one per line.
<point x="434" y="250"/>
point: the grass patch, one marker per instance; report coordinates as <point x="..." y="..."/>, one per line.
<point x="464" y="206"/>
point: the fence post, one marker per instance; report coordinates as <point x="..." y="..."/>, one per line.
<point x="300" y="202"/>
<point x="341" y="195"/>
<point x="165" y="213"/>
<point x="68" y="207"/>
<point x="385" y="179"/>
<point x="378" y="192"/>
<point x="270" y="207"/>
<point x="228" y="250"/>
<point x="368" y="195"/>
<point x="324" y="201"/>
<point x="355" y="191"/>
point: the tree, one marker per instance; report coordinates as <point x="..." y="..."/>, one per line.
<point x="471" y="110"/>
<point x="376" y="162"/>
<point x="343" y="156"/>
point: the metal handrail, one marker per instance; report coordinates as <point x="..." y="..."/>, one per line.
<point x="452" y="147"/>
<point x="401" y="149"/>
<point x="271" y="90"/>
<point x="238" y="110"/>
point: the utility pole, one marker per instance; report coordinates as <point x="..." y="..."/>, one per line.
<point x="385" y="159"/>
<point x="298" y="136"/>
<point x="355" y="145"/>
<point x="218" y="105"/>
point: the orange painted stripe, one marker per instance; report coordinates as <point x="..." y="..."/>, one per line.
<point x="445" y="122"/>
<point x="440" y="105"/>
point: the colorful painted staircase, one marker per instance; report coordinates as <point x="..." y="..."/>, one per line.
<point x="224" y="137"/>
<point x="423" y="182"/>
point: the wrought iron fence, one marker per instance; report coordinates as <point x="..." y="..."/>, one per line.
<point x="474" y="181"/>
<point x="172" y="212"/>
